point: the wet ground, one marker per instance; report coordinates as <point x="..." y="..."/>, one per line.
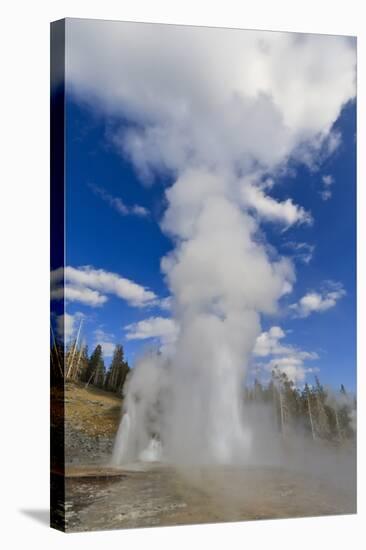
<point x="142" y="495"/>
<point x="155" y="495"/>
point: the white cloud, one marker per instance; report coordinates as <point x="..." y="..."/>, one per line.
<point x="166" y="303"/>
<point x="139" y="210"/>
<point x="241" y="101"/>
<point x="90" y="286"/>
<point x="302" y="252"/>
<point x="326" y="193"/>
<point x="286" y="288"/>
<point x="84" y="295"/>
<point x="287" y="359"/>
<point x="267" y="343"/>
<point x="328" y="180"/>
<point x="78" y="294"/>
<point x="333" y="141"/>
<point x="112" y="283"/>
<point x="293" y="367"/>
<point x="106" y="340"/>
<point x="220" y="98"/>
<point x="319" y="301"/>
<point x="66" y="326"/>
<point x="163" y="328"/>
<point x="107" y="348"/>
<point x="270" y="209"/>
<point x="118" y="204"/>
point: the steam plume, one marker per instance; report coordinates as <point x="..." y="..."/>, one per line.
<point x="218" y="110"/>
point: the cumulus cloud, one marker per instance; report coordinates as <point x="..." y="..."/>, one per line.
<point x="293" y="367"/>
<point x="213" y="111"/>
<point x="287" y="359"/>
<point x="90" y="286"/>
<point x="162" y="328"/>
<point x="320" y="301"/>
<point x="78" y="294"/>
<point x="268" y="343"/>
<point x="118" y="204"/>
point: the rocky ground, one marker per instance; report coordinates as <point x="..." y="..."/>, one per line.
<point x="91" y="421"/>
<point x="158" y="495"/>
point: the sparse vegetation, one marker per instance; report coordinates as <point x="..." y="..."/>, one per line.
<point x="74" y="364"/>
<point x="319" y="412"/>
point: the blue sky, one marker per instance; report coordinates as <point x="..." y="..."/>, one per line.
<point x="98" y="235"/>
<point x="249" y="128"/>
<point x="132" y="246"/>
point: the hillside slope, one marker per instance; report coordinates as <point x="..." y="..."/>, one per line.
<point x="91" y="421"/>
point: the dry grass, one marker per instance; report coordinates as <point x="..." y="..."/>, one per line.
<point x="91" y="410"/>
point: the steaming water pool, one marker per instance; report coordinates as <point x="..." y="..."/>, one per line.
<point x="143" y="495"/>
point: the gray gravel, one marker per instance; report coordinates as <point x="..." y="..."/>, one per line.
<point x="81" y="448"/>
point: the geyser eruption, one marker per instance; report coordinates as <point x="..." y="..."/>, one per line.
<point x="190" y="398"/>
<point x="140" y="432"/>
<point x="221" y="113"/>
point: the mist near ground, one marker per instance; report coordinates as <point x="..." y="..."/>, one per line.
<point x="312" y="445"/>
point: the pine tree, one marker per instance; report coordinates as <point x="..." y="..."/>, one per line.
<point x="99" y="374"/>
<point x="117" y="372"/>
<point x="280" y="406"/>
<point x="322" y="421"/>
<point x="123" y="373"/>
<point x="291" y="397"/>
<point x="324" y="416"/>
<point x="94" y="362"/>
<point x="309" y="408"/>
<point x="82" y="366"/>
<point x="116" y="366"/>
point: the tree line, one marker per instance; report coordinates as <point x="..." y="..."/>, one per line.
<point x="318" y="411"/>
<point x="75" y="364"/>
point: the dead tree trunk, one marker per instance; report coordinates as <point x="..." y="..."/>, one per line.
<point x="70" y="365"/>
<point x="311" y="417"/>
<point x="284" y="413"/>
